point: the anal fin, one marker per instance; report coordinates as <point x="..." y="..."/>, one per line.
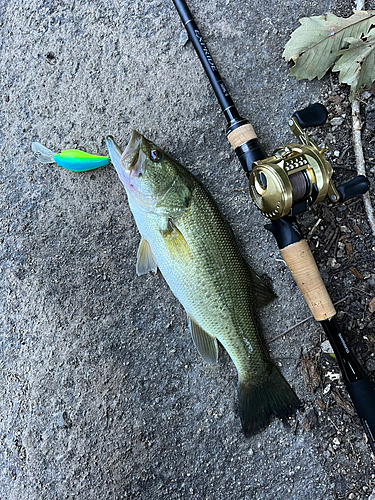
<point x="145" y="259"/>
<point x="205" y="344"/>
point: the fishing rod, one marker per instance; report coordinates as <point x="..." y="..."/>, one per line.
<point x="282" y="186"/>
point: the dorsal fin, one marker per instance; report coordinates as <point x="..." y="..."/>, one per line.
<point x="262" y="294"/>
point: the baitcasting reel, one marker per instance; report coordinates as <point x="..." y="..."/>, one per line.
<point x="298" y="175"/>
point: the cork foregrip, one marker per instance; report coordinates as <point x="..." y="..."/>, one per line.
<point x="241" y="135"/>
<point x="301" y="264"/>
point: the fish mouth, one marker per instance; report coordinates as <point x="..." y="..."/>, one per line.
<point x="132" y="147"/>
<point x="115" y="152"/>
<point x="124" y="161"/>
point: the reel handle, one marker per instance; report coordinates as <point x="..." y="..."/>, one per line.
<point x="314" y="115"/>
<point x="355" y="187"/>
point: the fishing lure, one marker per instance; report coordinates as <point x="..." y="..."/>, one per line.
<point x="70" y="159"/>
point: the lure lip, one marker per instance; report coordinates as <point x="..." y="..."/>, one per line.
<point x="42" y="154"/>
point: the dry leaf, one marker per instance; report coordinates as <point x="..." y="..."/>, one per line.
<point x="345" y="405"/>
<point x="357" y="230"/>
<point x="336" y="99"/>
<point x="322" y="41"/>
<point x="349" y="251"/>
<point x="311" y="372"/>
<point x="371" y="305"/>
<point x="321" y="404"/>
<point x="309" y="420"/>
<point x="356" y="65"/>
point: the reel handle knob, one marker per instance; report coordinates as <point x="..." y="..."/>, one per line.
<point x="355" y="187"/>
<point x="314" y="115"/>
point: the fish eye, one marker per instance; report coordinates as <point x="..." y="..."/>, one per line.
<point x="155" y="155"/>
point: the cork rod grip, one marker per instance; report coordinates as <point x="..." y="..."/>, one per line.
<point x="241" y="135"/>
<point x="301" y="264"/>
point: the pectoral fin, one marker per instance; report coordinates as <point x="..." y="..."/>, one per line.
<point x="175" y="241"/>
<point x="145" y="259"/>
<point x="262" y="294"/>
<point x="205" y="344"/>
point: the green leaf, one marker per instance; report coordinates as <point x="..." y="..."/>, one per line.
<point x="315" y="44"/>
<point x="356" y="64"/>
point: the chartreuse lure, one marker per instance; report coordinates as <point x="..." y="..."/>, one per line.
<point x="70" y="159"/>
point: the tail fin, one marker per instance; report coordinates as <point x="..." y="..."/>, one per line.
<point x="259" y="401"/>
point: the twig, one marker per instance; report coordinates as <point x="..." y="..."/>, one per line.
<point x="340" y="158"/>
<point x="358" y="150"/>
<point x="312" y="230"/>
<point x="290" y="329"/>
<point x="360" y="160"/>
<point x="335" y="236"/>
<point x="300" y="323"/>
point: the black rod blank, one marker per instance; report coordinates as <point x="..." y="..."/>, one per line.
<point x="217" y="83"/>
<point x="248" y="148"/>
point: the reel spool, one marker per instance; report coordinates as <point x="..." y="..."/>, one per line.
<point x="297" y="175"/>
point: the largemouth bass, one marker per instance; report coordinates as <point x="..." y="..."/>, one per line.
<point x="184" y="235"/>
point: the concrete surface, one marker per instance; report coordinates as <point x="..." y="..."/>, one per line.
<point x="102" y="393"/>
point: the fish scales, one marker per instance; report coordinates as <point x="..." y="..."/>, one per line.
<point x="213" y="282"/>
<point x="185" y="236"/>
